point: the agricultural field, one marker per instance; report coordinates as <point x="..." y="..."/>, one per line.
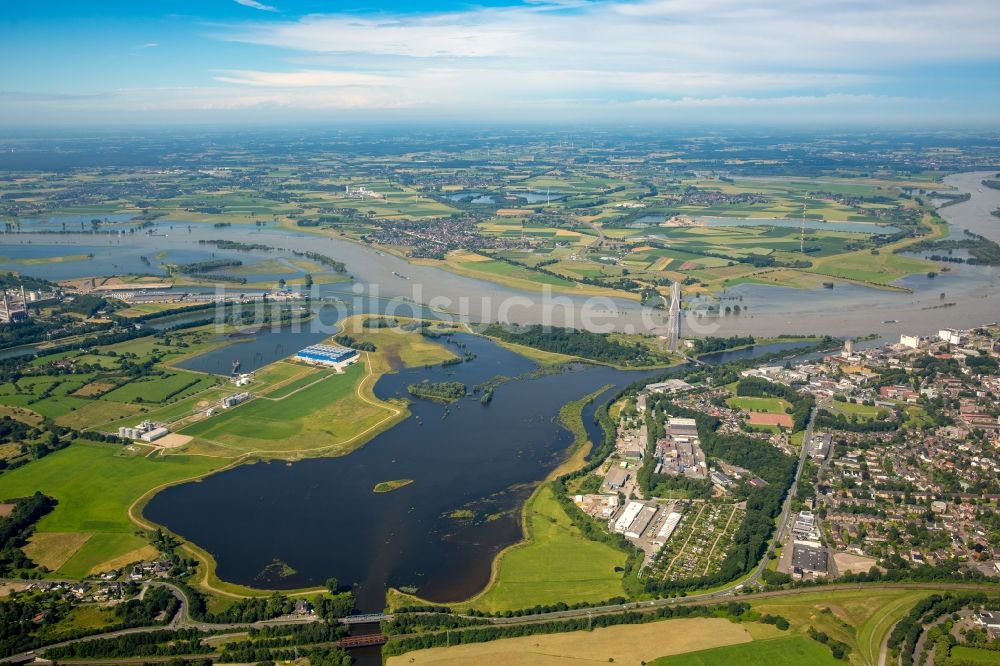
<point x="785" y="651"/>
<point x="94" y="484"/>
<point x="624" y="644"/>
<point x="699" y="544"/>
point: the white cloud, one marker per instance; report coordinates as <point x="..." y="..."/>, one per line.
<point x="253" y="4"/>
<point x="147" y="45"/>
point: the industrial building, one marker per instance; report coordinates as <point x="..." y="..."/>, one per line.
<point x="809" y="557"/>
<point x="331" y="356"/>
<point x="14" y="307"/>
<point x="628" y="516"/>
<point x="233" y="400"/>
<point x="804" y="525"/>
<point x="668" y="527"/>
<point x="821" y="446"/>
<point x="641" y="522"/>
<point x="669" y="386"/>
<point x="147" y="431"/>
<point x="615" y="479"/>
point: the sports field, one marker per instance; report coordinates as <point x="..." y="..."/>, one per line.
<point x="94" y="485"/>
<point x="752" y="404"/>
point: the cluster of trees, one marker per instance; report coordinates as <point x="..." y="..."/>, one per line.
<point x="249" y="653"/>
<point x="438" y="391"/>
<point x="322" y="259"/>
<point x="210" y="266"/>
<point x="270" y="644"/>
<point x="983" y="251"/>
<point x="354" y="343"/>
<point x="574" y="342"/>
<point x="20" y="623"/>
<point x="380" y="322"/>
<point x="762" y="504"/>
<point x="904" y="636"/>
<point x="827" y="419"/>
<point x="256" y="609"/>
<point x="802" y="403"/>
<point x="839" y="649"/>
<point x="86" y="304"/>
<point x="160" y="643"/>
<point x="412" y="624"/>
<point x="16" y="528"/>
<point x="157" y="606"/>
<point x="711" y="343"/>
<point x="734" y="610"/>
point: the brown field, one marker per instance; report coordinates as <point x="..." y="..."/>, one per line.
<point x="764" y="418"/>
<point x="53" y="549"/>
<point x="6" y="510"/>
<point x="137" y="555"/>
<point x="172" y="441"/>
<point x="626" y="644"/>
<point x="847" y="562"/>
<point x="20" y="414"/>
<point x="94" y="389"/>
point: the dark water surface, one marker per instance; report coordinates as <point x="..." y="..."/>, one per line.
<point x="321" y="517"/>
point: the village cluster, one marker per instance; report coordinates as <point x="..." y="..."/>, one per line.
<point x="901" y="468"/>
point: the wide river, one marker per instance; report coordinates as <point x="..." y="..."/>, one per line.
<point x="965" y="296"/>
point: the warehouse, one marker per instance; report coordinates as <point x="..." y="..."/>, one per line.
<point x="641" y="522"/>
<point x="331" y="356"/>
<point x="632" y="509"/>
<point x="669" y="525"/>
<point x="809" y="557"/>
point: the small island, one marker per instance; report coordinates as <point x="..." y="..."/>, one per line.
<point x="438" y="391"/>
<point x="389" y="486"/>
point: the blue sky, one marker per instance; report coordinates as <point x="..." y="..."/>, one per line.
<point x="806" y="62"/>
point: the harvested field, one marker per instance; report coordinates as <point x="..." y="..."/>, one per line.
<point x="626" y="644"/>
<point x="53" y="549"/>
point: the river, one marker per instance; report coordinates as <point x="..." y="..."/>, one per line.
<point x="965" y="296"/>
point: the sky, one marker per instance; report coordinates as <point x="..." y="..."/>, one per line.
<point x="782" y="62"/>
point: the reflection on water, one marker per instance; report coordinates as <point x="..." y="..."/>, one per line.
<point x="322" y="519"/>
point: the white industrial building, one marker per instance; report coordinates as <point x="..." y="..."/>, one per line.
<point x="147" y="431"/>
<point x="632" y="509"/>
<point x="668" y="527"/>
<point x="233" y="400"/>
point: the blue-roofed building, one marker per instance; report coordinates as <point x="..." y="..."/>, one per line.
<point x="331" y="356"/>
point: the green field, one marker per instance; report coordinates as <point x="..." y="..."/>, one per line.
<point x="863" y="412"/>
<point x="769" y="405"/>
<point x="859" y="618"/>
<point x="329" y="415"/>
<point x="786" y="651"/>
<point x="556" y="563"/>
<point x="975" y="655"/>
<point x="157" y="389"/>
<point x="95" y="485"/>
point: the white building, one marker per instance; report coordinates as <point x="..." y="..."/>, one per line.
<point x="632" y="509"/>
<point x="911" y="341"/>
